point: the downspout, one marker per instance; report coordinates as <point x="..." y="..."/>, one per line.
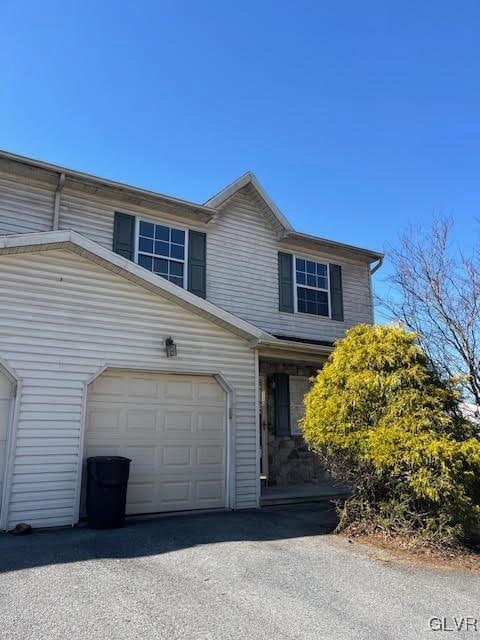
<point x="372" y="271"/>
<point x="56" y="202"/>
<point x="377" y="266"/>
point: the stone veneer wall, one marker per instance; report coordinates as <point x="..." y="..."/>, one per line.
<point x="290" y="461"/>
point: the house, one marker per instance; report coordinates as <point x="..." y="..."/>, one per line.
<point x="180" y="335"/>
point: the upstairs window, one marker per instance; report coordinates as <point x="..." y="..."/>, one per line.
<point x="162" y="250"/>
<point x="312" y="287"/>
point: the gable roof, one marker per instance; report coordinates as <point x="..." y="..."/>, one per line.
<point x="287" y="230"/>
<point x="96" y="184"/>
<point x="76" y="243"/>
<point x="205" y="212"/>
<point x="249" y="179"/>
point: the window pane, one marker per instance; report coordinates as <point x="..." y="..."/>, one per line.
<point x="322" y="299"/>
<point x="302" y="306"/>
<point x="311" y="308"/>
<point x="146" y="229"/>
<point x="176" y="269"/>
<point x="178" y="236"/>
<point x="177" y="251"/>
<point x="321" y="269"/>
<point x="301" y="293"/>
<point x="300" y="264"/>
<point x="160" y="265"/>
<point x="162" y="233"/>
<point x="161" y="248"/>
<point x="311" y="281"/>
<point x="144" y="244"/>
<point x="311" y="267"/>
<point x="322" y="283"/>
<point x="176" y="280"/>
<point x="145" y="261"/>
<point x="301" y="277"/>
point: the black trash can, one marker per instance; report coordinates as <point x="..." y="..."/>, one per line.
<point x="107" y="479"/>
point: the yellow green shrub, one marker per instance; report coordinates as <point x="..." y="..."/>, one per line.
<point x="383" y="421"/>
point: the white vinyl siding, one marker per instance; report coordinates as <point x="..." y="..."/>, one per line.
<point x="242" y="251"/>
<point x="242" y="274"/>
<point x="25" y="206"/>
<point x="62" y="318"/>
<point x="92" y="216"/>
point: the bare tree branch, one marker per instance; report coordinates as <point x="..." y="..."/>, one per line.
<point x="435" y="291"/>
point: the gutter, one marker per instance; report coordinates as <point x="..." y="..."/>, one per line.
<point x="56" y="202"/>
<point x="377" y="266"/>
<point x="287" y="345"/>
<point x="95" y="181"/>
<point x="305" y="237"/>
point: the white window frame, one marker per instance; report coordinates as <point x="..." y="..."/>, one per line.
<point x="305" y="286"/>
<point x="170" y="225"/>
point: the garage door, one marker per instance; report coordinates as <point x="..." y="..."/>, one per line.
<point x="6" y="389"/>
<point x="172" y="427"/>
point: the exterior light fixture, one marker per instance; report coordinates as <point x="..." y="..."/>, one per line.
<point x="170" y="347"/>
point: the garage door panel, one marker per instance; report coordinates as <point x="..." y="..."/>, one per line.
<point x="109" y="386"/>
<point x="144" y="459"/>
<point x="208" y="490"/>
<point x="143" y="387"/>
<point x="179" y="390"/>
<point x="173" y="430"/>
<point x="210" y="392"/>
<point x="208" y="455"/>
<point x="178" y="421"/>
<point x="144" y="420"/>
<point x="209" y="421"/>
<point x="175" y="456"/>
<point x="176" y="492"/>
<point x="104" y="419"/>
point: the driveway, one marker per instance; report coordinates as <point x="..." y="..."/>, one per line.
<point x="270" y="574"/>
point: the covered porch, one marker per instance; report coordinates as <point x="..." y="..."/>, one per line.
<point x="289" y="471"/>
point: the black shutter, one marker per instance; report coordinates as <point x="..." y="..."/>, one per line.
<point x="336" y="291"/>
<point x="282" y="404"/>
<point x="197" y="263"/>
<point x="285" y="282"/>
<point x="124" y="235"/>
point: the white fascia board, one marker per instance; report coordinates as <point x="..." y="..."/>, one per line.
<point x="70" y="240"/>
<point x="89" y="178"/>
<point x="306" y="239"/>
<point x="248" y="178"/>
<point x="269" y="342"/>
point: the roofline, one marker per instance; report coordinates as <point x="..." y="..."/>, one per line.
<point x="305" y="237"/>
<point x="70" y="240"/>
<point x="209" y="209"/>
<point x="90" y="178"/>
<point x="249" y="178"/>
<point x="269" y="342"/>
<point x="288" y="230"/>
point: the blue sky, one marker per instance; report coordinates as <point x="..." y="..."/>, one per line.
<point x="357" y="117"/>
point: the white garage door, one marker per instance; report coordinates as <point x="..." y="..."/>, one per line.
<point x="6" y="388"/>
<point x="172" y="427"/>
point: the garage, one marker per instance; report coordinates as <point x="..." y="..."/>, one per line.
<point x="172" y="427"/>
<point x="6" y="392"/>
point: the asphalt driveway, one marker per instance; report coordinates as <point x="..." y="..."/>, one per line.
<point x="271" y="574"/>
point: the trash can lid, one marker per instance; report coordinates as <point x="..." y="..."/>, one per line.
<point x="108" y="459"/>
